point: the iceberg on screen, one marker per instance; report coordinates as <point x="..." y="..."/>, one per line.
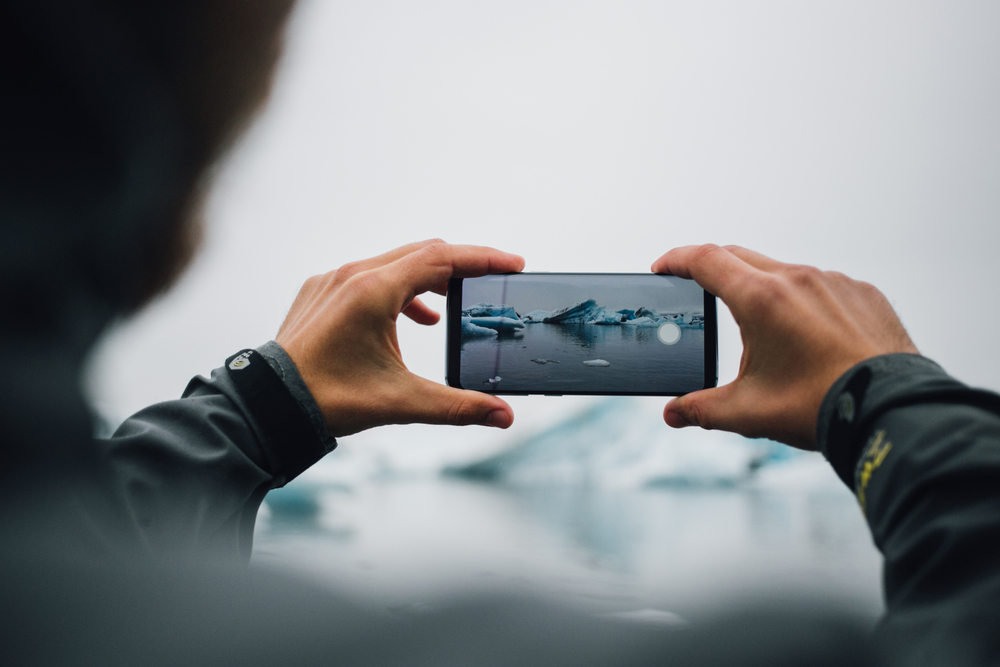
<point x="579" y="313"/>
<point x="535" y="316"/>
<point x="472" y="330"/>
<point x="489" y="310"/>
<point x="504" y="317"/>
<point x="498" y="323"/>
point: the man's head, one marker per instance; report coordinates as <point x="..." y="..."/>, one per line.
<point x="113" y="113"/>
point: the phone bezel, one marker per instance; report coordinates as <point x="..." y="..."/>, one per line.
<point x="453" y="353"/>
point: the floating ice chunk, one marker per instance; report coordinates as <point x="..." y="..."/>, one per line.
<point x="643" y="322"/>
<point x="492" y="380"/>
<point x="535" y="316"/>
<point x="545" y="361"/>
<point x="470" y="329"/>
<point x="490" y="310"/>
<point x="597" y="363"/>
<point x="608" y="317"/>
<point x="694" y="320"/>
<point x="578" y="313"/>
<point x="498" y="323"/>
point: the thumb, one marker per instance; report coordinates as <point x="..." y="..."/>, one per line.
<point x="708" y="408"/>
<point x="437" y="404"/>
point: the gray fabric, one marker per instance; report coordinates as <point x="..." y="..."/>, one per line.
<point x="191" y="474"/>
<point x="286" y="369"/>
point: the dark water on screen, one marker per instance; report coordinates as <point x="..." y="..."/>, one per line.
<point x="640" y="363"/>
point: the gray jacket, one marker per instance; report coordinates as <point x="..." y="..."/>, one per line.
<point x="190" y="474"/>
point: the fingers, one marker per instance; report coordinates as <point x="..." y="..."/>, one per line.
<point x="432" y="403"/>
<point x="754" y="258"/>
<point x="717" y="269"/>
<point x="432" y="265"/>
<point x="420" y="313"/>
<point x="393" y="255"/>
<point x="718" y="408"/>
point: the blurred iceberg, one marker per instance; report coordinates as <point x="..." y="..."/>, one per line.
<point x="616" y="443"/>
<point x="610" y="443"/>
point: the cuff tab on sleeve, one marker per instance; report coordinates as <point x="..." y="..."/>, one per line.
<point x="291" y="443"/>
<point x="843" y="421"/>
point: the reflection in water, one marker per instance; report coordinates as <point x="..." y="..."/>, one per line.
<point x="638" y="361"/>
<point x="598" y="522"/>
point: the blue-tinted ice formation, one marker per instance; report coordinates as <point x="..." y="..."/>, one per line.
<point x="612" y="443"/>
<point x="489" y="310"/>
<point x="498" y="323"/>
<point x="581" y="313"/>
<point x="470" y="329"/>
<point x="616" y="444"/>
<point x="502" y="316"/>
<point x="534" y="316"/>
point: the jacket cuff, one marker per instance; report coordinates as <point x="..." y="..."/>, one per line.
<point x="289" y="373"/>
<point x="291" y="441"/>
<point x="868" y="390"/>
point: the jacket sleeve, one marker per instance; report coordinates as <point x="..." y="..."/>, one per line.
<point x="921" y="451"/>
<point x="190" y="474"/>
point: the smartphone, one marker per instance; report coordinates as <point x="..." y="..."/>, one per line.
<point x="635" y="334"/>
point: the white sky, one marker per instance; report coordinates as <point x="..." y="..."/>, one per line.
<point x="593" y="136"/>
<point x="665" y="294"/>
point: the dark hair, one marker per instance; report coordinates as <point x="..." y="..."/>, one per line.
<point x="113" y="112"/>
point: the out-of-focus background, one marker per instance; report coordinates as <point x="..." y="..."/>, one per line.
<point x="593" y="136"/>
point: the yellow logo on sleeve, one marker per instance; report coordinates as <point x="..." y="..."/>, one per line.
<point x="876" y="451"/>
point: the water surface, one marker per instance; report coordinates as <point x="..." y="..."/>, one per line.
<point x="639" y="362"/>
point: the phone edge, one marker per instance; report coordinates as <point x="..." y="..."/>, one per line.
<point x="711" y="341"/>
<point x="453" y="331"/>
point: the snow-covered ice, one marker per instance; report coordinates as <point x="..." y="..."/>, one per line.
<point x="498" y="323"/>
<point x="490" y="310"/>
<point x="578" y="313"/>
<point x="608" y="317"/>
<point x="535" y="316"/>
<point x="470" y="329"/>
<point x="643" y="322"/>
<point x="600" y="363"/>
<point x="504" y="317"/>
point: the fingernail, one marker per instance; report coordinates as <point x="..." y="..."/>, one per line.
<point x="498" y="418"/>
<point x="674" y="420"/>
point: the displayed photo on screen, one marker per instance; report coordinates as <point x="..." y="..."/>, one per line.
<point x="597" y="333"/>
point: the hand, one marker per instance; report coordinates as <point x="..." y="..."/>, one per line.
<point x="802" y="328"/>
<point x="341" y="334"/>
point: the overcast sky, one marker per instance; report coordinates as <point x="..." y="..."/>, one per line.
<point x="665" y="294"/>
<point x="857" y="135"/>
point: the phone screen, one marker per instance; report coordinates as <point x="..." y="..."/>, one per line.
<point x="581" y="333"/>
